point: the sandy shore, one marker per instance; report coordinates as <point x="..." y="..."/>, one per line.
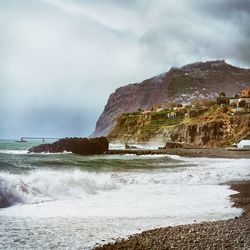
<point x="189" y="152"/>
<point x="228" y="234"/>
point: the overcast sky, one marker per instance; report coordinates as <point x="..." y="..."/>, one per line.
<point x="60" y="59"/>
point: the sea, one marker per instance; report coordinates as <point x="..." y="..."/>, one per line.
<point x="67" y="201"/>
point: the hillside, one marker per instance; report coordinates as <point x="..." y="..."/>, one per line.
<point x="213" y="126"/>
<point x="190" y="82"/>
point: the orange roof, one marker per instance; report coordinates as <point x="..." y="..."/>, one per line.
<point x="244" y="93"/>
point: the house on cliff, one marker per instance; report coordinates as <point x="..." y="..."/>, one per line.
<point x="245" y="93"/>
<point x="172" y="115"/>
<point x="241" y="102"/>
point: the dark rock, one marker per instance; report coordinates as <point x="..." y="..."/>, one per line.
<point x="81" y="146"/>
<point x="173" y="145"/>
<point x="130" y="147"/>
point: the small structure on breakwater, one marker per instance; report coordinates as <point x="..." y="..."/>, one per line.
<point x="244" y="144"/>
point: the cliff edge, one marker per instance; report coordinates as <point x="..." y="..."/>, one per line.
<point x="190" y="82"/>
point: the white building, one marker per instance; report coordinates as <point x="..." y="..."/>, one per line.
<point x="172" y="115"/>
<point x="244" y="144"/>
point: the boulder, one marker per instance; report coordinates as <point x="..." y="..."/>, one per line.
<point x="173" y="145"/>
<point x="130" y="147"/>
<point x="81" y="146"/>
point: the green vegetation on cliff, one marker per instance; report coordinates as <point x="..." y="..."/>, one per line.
<point x="201" y="126"/>
<point x="142" y="126"/>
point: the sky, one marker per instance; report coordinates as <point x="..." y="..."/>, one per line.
<point x="61" y="59"/>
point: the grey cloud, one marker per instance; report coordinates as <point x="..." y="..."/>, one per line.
<point x="199" y="29"/>
<point x="235" y="14"/>
<point x="226" y="8"/>
<point x="60" y="60"/>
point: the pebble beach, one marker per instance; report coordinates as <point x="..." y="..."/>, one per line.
<point x="228" y="234"/>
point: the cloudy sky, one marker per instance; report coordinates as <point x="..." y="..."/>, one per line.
<point x="60" y="59"/>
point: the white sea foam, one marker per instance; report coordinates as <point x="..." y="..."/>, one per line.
<point x="99" y="205"/>
<point x="117" y="145"/>
<point x="52" y="185"/>
<point x="25" y="151"/>
<point x="16" y="152"/>
<point x="55" y="153"/>
<point x="40" y="186"/>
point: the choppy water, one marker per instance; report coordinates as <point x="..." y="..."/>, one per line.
<point x="65" y="201"/>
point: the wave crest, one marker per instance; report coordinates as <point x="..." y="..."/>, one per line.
<point x="41" y="186"/>
<point x="9" y="193"/>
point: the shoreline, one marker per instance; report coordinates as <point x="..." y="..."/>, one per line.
<point x="188" y="152"/>
<point x="222" y="234"/>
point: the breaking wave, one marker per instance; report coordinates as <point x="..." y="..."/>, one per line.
<point x="42" y="186"/>
<point x="38" y="186"/>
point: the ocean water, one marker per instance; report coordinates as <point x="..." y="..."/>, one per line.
<point x="65" y="201"/>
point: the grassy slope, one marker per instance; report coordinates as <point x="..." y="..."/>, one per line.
<point x="143" y="127"/>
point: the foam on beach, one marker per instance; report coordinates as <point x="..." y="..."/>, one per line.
<point x="102" y="197"/>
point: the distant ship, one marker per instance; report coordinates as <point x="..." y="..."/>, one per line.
<point x="21" y="140"/>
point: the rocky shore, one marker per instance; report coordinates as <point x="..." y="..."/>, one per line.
<point x="189" y="152"/>
<point x="81" y="146"/>
<point x="228" y="234"/>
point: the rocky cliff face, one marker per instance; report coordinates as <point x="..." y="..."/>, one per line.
<point x="213" y="127"/>
<point x="197" y="134"/>
<point x="193" y="81"/>
<point x="215" y="133"/>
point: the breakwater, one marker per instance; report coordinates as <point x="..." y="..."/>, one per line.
<point x="186" y="152"/>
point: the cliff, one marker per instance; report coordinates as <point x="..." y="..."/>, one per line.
<point x="190" y="82"/>
<point x="212" y="126"/>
